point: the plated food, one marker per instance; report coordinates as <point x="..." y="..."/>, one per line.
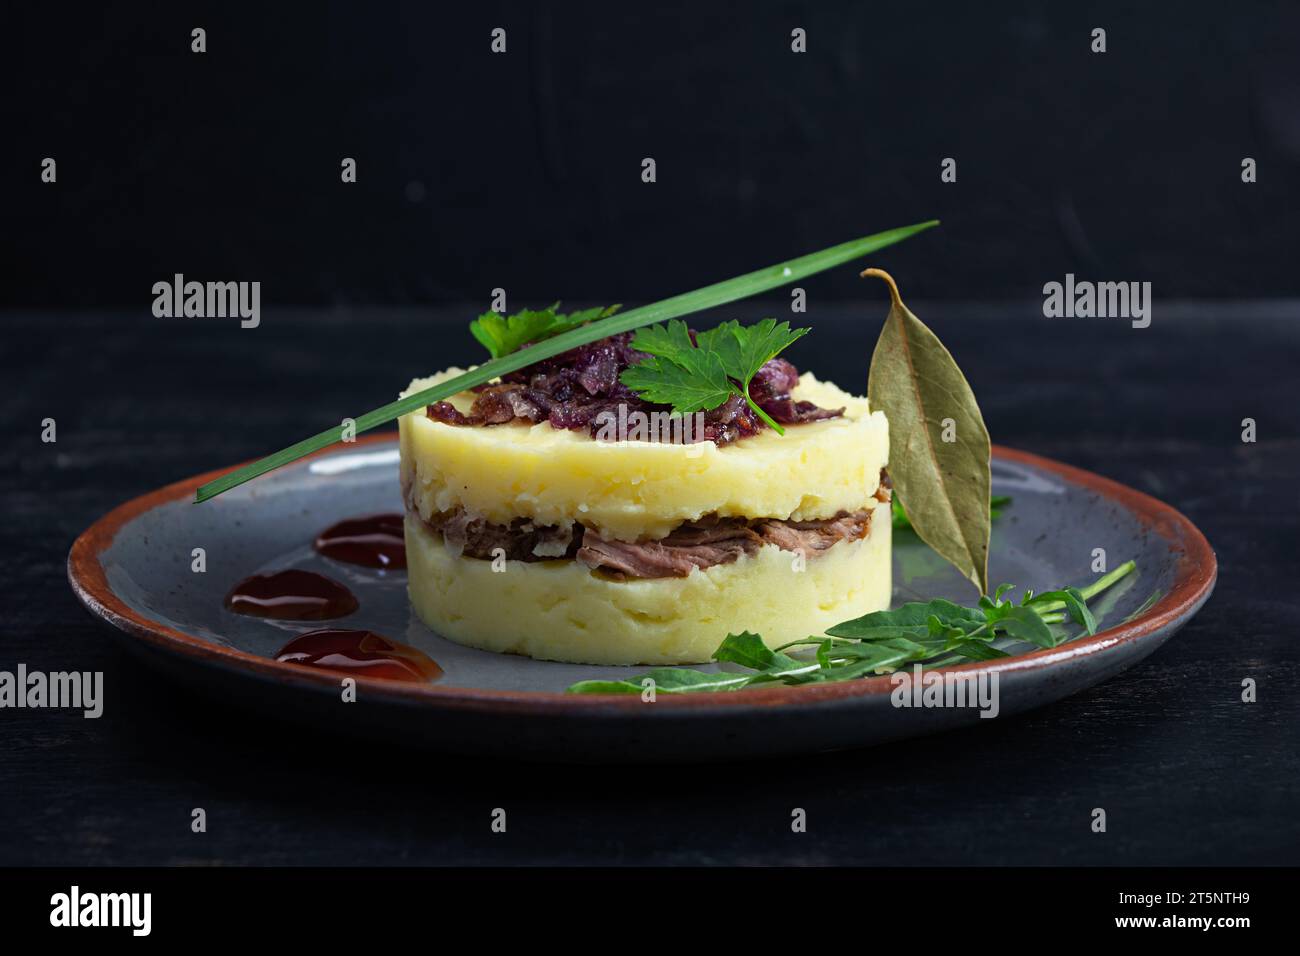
<point x="560" y="544"/>
<point x="619" y="488"/>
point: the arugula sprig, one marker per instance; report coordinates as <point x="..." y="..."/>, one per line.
<point x="501" y="335"/>
<point x="694" y="376"/>
<point x="936" y="633"/>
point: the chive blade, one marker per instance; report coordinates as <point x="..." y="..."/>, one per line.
<point x="720" y="293"/>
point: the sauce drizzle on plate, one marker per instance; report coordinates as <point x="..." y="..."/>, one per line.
<point x="374" y="541"/>
<point x="361" y="654"/>
<point x="292" y="595"/>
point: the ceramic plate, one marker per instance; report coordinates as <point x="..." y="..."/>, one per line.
<point x="133" y="569"/>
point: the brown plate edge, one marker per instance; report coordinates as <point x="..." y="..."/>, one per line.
<point x="1196" y="573"/>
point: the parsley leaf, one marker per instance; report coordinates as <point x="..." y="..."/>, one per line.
<point x="692" y="384"/>
<point x="501" y="335"/>
<point x="694" y="376"/>
<point x="746" y="349"/>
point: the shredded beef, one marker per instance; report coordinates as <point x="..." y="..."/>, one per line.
<point x="697" y="544"/>
<point x="571" y="390"/>
<point x="521" y="540"/>
<point x="813" y="537"/>
<point x="686" y="548"/>
<point x="714" y="540"/>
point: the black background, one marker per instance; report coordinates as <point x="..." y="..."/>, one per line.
<point x="522" y="170"/>
<point x="225" y="166"/>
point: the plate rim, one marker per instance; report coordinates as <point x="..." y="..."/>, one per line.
<point x="1195" y="576"/>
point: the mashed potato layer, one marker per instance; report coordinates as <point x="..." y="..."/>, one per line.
<point x="559" y="610"/>
<point x="634" y="490"/>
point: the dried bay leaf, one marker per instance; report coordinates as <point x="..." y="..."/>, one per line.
<point x="944" y="485"/>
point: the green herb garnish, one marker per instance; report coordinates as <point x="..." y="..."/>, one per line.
<point x="901" y="522"/>
<point x="693" y="376"/>
<point x="934" y="632"/>
<point x="939" y="456"/>
<point x="501" y="335"/>
<point x="741" y="287"/>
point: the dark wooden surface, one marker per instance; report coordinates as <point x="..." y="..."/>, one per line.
<point x="1187" y="773"/>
